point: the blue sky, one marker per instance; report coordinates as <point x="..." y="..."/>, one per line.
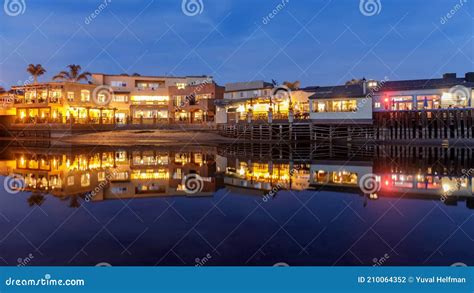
<point x="316" y="42"/>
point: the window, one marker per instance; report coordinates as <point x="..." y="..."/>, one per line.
<point x="85" y="179"/>
<point x="101" y="176"/>
<point x="70" y="96"/>
<point x="70" y="180"/>
<point x="120" y="98"/>
<point x="402" y="103"/>
<point x="85" y="96"/>
<point x="377" y="105"/>
<point x="54" y="96"/>
<point x="428" y="102"/>
<point x="118" y="83"/>
<point x="372" y="84"/>
<point x="335" y="106"/>
<point x="161" y="100"/>
<point x="181" y="85"/>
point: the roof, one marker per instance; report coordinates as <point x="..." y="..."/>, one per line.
<point x="421" y="84"/>
<point x="246" y="86"/>
<point x="153" y="76"/>
<point x="339" y="91"/>
<point x="400" y="85"/>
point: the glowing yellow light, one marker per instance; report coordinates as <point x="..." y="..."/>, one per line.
<point x="242" y="171"/>
<point x="446" y="187"/>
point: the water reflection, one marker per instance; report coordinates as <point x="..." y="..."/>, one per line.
<point x="73" y="173"/>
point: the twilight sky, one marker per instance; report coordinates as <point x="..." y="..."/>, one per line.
<point x="319" y="42"/>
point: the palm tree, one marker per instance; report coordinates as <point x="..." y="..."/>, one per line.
<point x="35" y="71"/>
<point x="74" y="74"/>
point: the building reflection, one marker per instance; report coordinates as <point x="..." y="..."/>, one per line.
<point x="73" y="174"/>
<point x="118" y="173"/>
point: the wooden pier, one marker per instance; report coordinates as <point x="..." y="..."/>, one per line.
<point x="415" y="126"/>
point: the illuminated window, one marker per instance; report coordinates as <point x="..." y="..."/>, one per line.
<point x="428" y="102"/>
<point x="402" y="103"/>
<point x="101" y="176"/>
<point x="372" y="84"/>
<point x="85" y="96"/>
<point x="85" y="179"/>
<point x="70" y="180"/>
<point x="377" y="105"/>
<point x="70" y="96"/>
<point x="181" y="85"/>
<point x="120" y="98"/>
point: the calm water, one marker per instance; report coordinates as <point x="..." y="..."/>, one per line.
<point x="319" y="213"/>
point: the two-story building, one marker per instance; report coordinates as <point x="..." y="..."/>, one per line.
<point x="147" y="98"/>
<point x="194" y="104"/>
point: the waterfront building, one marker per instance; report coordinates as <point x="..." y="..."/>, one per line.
<point x="59" y="102"/>
<point x="259" y="101"/>
<point x="148" y="97"/>
<point x="448" y="92"/>
<point x="117" y="100"/>
<point x="195" y="103"/>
